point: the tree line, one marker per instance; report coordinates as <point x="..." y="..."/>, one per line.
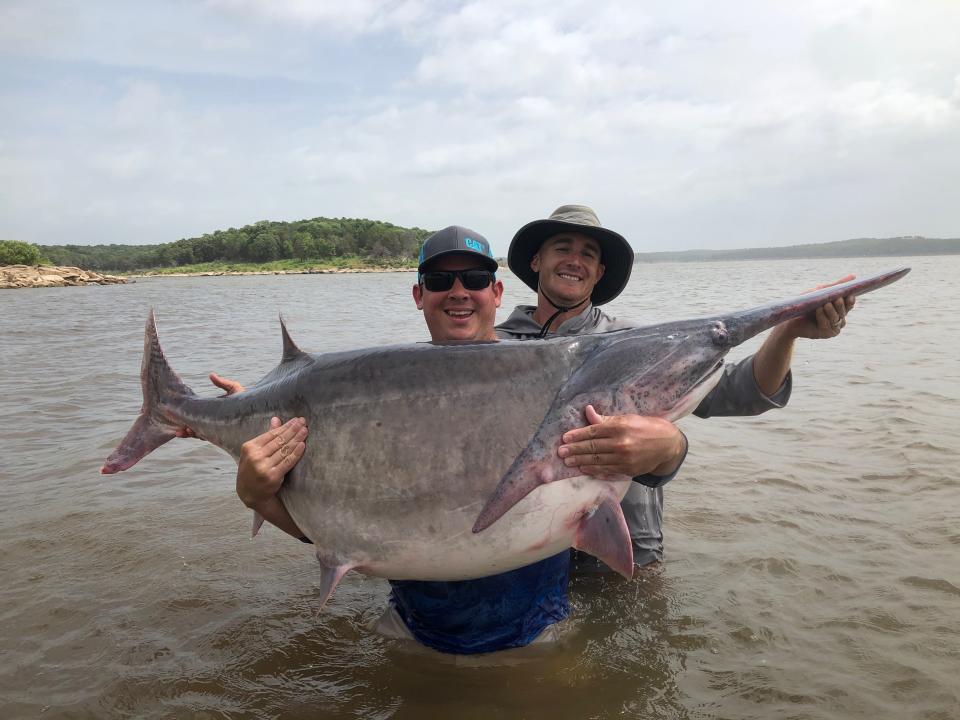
<point x="319" y="239"/>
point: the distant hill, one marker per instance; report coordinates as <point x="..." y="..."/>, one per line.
<point x="860" y="247"/>
<point x="373" y="242"/>
<point x="316" y="239"/>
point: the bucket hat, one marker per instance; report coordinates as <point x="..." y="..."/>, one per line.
<point x="616" y="253"/>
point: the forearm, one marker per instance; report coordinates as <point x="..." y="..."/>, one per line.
<point x="772" y="361"/>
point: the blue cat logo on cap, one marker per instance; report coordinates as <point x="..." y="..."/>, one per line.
<point x="476" y="245"/>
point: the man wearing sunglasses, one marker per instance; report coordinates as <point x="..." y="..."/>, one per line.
<point x="456" y="288"/>
<point x="459" y="294"/>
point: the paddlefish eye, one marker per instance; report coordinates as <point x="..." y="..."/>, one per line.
<point x="719" y="333"/>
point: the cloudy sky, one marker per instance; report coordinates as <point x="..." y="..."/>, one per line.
<point x="685" y="124"/>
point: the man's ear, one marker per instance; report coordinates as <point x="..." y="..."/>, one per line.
<point x="498" y="292"/>
<point x="535" y="263"/>
<point x="600" y="271"/>
<point x="418" y="296"/>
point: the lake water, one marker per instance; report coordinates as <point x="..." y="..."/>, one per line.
<point x="813" y="553"/>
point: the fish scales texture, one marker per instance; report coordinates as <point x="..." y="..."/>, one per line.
<point x="431" y="451"/>
<point x="400" y="458"/>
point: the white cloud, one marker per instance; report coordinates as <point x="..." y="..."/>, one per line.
<point x="891" y="107"/>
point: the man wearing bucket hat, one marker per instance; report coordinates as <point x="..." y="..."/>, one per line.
<point x="575" y="265"/>
<point x="583" y="264"/>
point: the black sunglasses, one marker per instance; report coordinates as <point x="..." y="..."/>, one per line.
<point x="442" y="280"/>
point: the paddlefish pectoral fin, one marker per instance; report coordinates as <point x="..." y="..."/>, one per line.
<point x="161" y="388"/>
<point x="524" y="476"/>
<point x="257" y="524"/>
<point x="604" y="534"/>
<point x="330" y="576"/>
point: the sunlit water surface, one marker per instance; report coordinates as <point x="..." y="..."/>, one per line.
<point x="813" y="563"/>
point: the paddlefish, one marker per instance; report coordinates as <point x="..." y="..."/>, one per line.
<point x="438" y="461"/>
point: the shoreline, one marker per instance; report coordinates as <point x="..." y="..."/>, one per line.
<point x="304" y="271"/>
<point x="16" y="277"/>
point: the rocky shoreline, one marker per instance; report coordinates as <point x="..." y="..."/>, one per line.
<point x="27" y="276"/>
<point x="32" y="276"/>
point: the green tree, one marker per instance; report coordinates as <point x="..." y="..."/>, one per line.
<point x="303" y="245"/>
<point x="316" y="238"/>
<point x="324" y="248"/>
<point x="17" y="252"/>
<point x="263" y="248"/>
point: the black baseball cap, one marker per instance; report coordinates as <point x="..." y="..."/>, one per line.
<point x="456" y="239"/>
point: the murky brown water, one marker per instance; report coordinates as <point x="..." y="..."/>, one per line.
<point x="813" y="553"/>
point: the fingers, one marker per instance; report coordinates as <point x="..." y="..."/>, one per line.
<point x="831" y="313"/>
<point x="592" y="446"/>
<point x="832" y="318"/>
<point x="597" y="427"/>
<point x="287" y="461"/>
<point x="845" y="278"/>
<point x="232" y="387"/>
<point x="593" y="417"/>
<point x="283" y="439"/>
<point x="265" y="452"/>
<point x="267" y="458"/>
<point x="601" y="462"/>
<point x="585" y="434"/>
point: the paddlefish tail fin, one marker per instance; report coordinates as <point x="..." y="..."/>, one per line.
<point x="162" y="388"/>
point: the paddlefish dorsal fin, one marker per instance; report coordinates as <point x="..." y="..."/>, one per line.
<point x="290" y="350"/>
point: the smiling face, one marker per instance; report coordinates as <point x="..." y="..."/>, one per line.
<point x="458" y="313"/>
<point x="569" y="267"/>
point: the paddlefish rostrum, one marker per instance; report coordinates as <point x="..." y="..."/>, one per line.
<point x="439" y="461"/>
